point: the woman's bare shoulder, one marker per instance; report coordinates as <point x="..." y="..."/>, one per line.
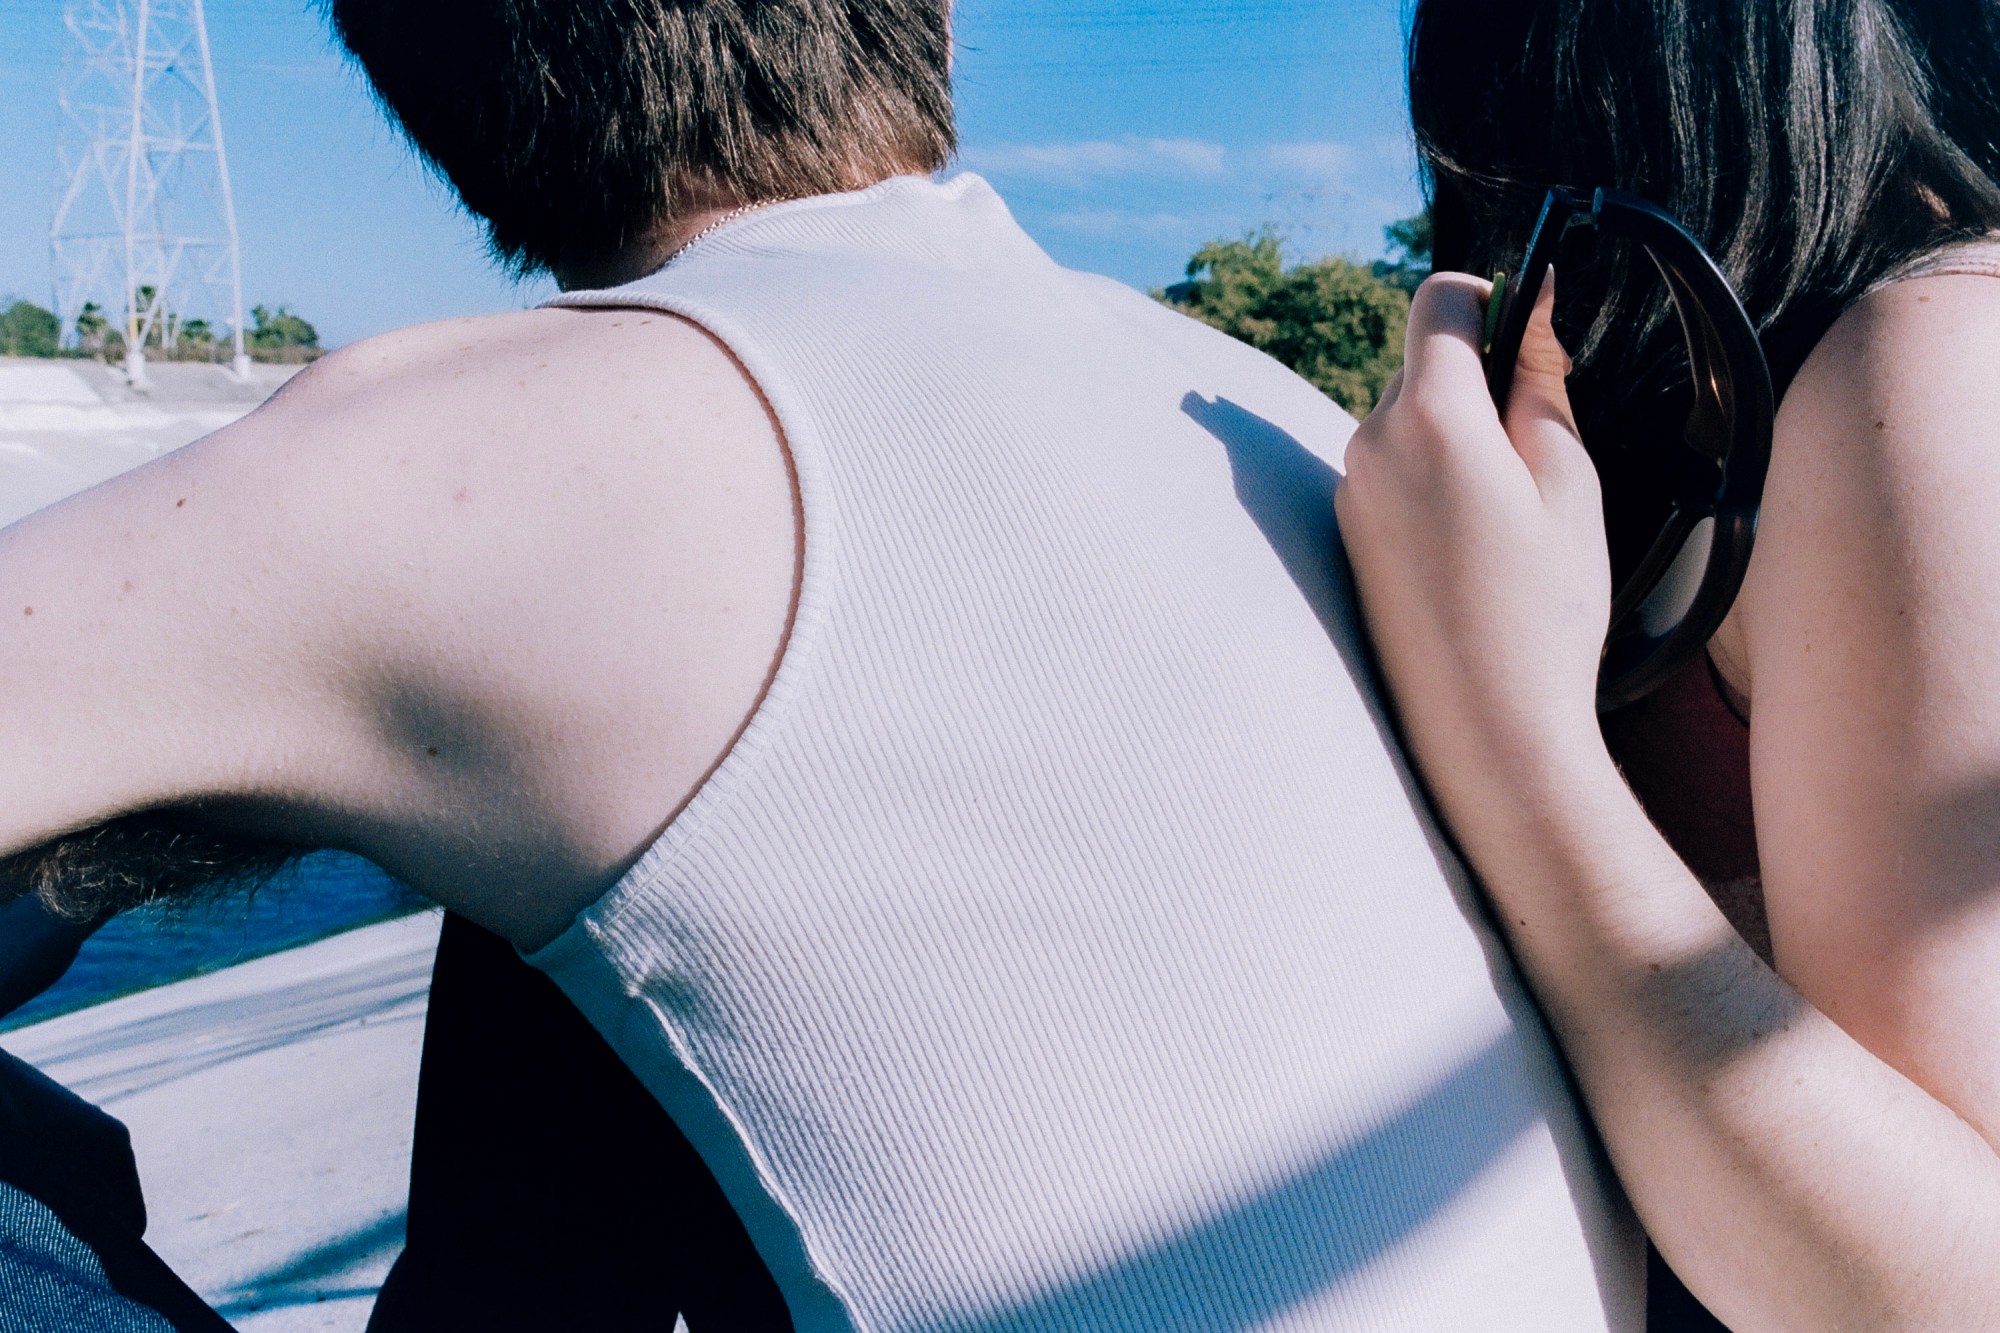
<point x="1888" y="440"/>
<point x="1873" y="643"/>
<point x="1921" y="347"/>
<point x="1893" y="420"/>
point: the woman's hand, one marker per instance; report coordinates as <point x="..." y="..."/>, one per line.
<point x="1479" y="553"/>
<point x="1800" y="1175"/>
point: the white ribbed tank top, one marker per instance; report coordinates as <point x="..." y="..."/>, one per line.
<point x="1064" y="945"/>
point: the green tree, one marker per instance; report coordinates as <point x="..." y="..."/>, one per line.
<point x="1332" y="321"/>
<point x="281" y="335"/>
<point x="197" y="340"/>
<point x="1412" y="236"/>
<point x="1229" y="283"/>
<point x="274" y="329"/>
<point x="28" y="330"/>
<point x="91" y="326"/>
<point x="1410" y="245"/>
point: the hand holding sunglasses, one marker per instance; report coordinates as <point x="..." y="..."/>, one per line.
<point x="1665" y="610"/>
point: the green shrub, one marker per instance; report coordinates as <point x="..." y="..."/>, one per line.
<point x="27" y="330"/>
<point x="1336" y="323"/>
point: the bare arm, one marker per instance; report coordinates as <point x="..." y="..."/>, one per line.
<point x="1812" y="1151"/>
<point x="1871" y="634"/>
<point x="482" y="601"/>
<point x="140" y="651"/>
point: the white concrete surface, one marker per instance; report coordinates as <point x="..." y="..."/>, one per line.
<point x="33" y="381"/>
<point x="270" y="1107"/>
<point x="67" y="425"/>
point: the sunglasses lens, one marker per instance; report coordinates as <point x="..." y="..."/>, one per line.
<point x="1668" y="604"/>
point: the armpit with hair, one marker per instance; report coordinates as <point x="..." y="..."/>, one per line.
<point x="155" y="856"/>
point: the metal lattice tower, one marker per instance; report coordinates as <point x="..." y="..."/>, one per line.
<point x="145" y="225"/>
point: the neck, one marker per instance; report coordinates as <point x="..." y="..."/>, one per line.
<point x="645" y="255"/>
<point x="652" y="251"/>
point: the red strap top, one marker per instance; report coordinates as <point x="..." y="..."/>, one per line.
<point x="1687" y="756"/>
<point x="1686" y="752"/>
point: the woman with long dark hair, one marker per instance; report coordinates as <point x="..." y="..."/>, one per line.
<point x="1788" y="1028"/>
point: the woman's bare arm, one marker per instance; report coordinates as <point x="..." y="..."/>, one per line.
<point x="1870" y="628"/>
<point x="1799" y="1172"/>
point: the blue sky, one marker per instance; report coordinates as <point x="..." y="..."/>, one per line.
<point x="1124" y="133"/>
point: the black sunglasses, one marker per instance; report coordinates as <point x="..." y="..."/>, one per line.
<point x="1672" y="602"/>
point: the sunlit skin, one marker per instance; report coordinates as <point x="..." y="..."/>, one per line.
<point x="1813" y="1148"/>
<point x="482" y="601"/>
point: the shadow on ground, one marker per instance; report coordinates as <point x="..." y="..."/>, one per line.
<point x="331" y="1271"/>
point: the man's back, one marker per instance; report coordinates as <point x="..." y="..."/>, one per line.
<point x="1059" y="943"/>
<point x="1063" y="943"/>
<point x="927" y="672"/>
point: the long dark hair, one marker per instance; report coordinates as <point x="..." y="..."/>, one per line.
<point x="1814" y="147"/>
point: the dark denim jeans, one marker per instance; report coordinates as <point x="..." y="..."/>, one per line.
<point x="548" y="1190"/>
<point x="72" y="1256"/>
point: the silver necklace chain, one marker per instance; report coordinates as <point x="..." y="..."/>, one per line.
<point x="718" y="225"/>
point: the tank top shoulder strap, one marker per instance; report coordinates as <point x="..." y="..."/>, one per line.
<point x="1979" y="257"/>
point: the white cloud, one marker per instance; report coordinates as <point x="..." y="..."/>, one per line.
<point x="1084" y="162"/>
<point x="1158" y="197"/>
<point x="1395" y="155"/>
<point x="1320" y="161"/>
<point x="1096" y="158"/>
<point x="1119" y="222"/>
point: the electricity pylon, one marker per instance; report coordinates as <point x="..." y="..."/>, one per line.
<point x="145" y="225"/>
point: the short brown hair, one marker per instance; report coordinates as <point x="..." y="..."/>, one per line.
<point x="573" y="128"/>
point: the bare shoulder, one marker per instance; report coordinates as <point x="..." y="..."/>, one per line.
<point x="1887" y="453"/>
<point x="443" y="467"/>
<point x="569" y="348"/>
<point x="536" y="421"/>
<point x="524" y="382"/>
<point x="524" y="573"/>
<point x="1873" y="641"/>
<point x="1911" y="362"/>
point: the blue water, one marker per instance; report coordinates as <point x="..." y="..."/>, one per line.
<point x="326" y="894"/>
